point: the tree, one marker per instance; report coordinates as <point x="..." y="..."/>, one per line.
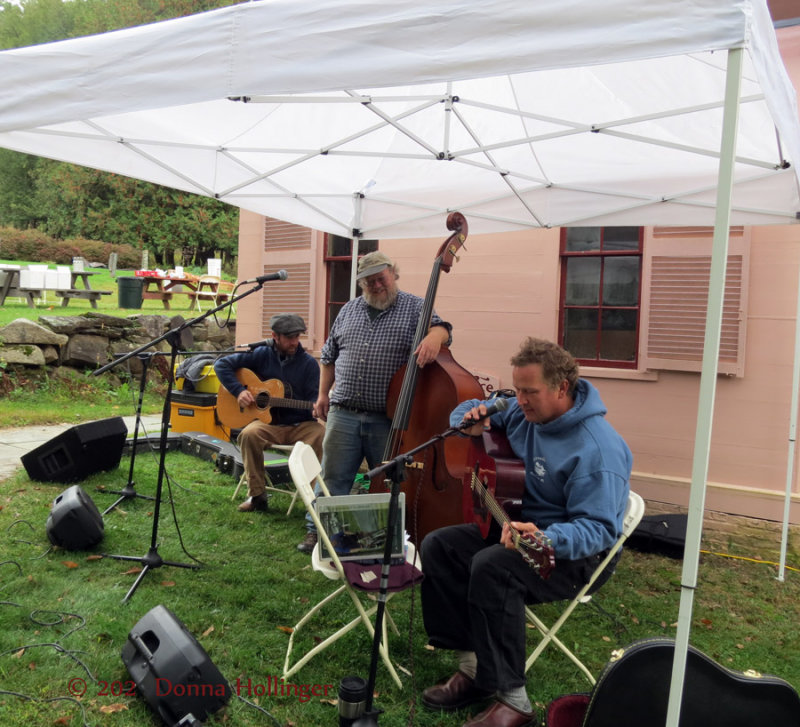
<point x="65" y="200"/>
<point x="81" y="202"/>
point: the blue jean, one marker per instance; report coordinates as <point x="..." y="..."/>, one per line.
<point x="349" y="438"/>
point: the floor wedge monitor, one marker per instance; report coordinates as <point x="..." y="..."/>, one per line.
<point x="171" y="670"/>
<point x="74" y="522"/>
<point x="78" y="452"/>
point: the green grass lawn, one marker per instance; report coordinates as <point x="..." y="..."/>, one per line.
<point x="63" y="622"/>
<point x="62" y="619"/>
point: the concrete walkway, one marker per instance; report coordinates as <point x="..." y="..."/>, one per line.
<point x="16" y="442"/>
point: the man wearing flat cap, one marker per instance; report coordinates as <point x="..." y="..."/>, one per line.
<point x="371" y="338"/>
<point x="283" y="358"/>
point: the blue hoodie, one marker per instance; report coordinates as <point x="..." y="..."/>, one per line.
<point x="576" y="472"/>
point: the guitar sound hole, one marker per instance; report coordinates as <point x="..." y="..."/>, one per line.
<point x="262" y="400"/>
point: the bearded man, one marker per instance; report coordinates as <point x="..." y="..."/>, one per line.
<point x="369" y="341"/>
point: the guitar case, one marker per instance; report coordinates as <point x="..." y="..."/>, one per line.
<point x="633" y="690"/>
<point x="662" y="534"/>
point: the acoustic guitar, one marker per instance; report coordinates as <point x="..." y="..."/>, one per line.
<point x="267" y="394"/>
<point x="535" y="548"/>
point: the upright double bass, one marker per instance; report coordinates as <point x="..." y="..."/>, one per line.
<point x="419" y="403"/>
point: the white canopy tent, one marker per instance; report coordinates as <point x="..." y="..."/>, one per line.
<point x="519" y="114"/>
<point x="376" y="119"/>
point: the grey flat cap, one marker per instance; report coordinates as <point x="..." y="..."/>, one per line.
<point x="287" y="324"/>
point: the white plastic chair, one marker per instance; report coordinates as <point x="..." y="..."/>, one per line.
<point x="305" y="470"/>
<point x="633" y="515"/>
<point x="269" y="486"/>
<point x="207" y="289"/>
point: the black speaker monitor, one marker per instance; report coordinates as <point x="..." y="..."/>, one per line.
<point x="171" y="669"/>
<point x="78" y="452"/>
<point x="74" y="522"/>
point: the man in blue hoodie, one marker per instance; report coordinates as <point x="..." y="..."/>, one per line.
<point x="285" y="359"/>
<point x="576" y="489"/>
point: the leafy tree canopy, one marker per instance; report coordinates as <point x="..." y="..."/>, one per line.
<point x="65" y="200"/>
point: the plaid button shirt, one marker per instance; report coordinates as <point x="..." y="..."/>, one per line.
<point x="367" y="353"/>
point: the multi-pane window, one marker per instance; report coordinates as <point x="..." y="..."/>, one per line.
<point x="601" y="270"/>
<point x="339" y="262"/>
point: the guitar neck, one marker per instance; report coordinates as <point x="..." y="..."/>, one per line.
<point x="495" y="509"/>
<point x="291" y="403"/>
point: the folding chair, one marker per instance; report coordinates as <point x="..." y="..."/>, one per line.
<point x="633" y="514"/>
<point x="270" y="486"/>
<point x="305" y="470"/>
<point x="207" y="289"/>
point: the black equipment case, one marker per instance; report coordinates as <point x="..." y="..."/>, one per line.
<point x="633" y="691"/>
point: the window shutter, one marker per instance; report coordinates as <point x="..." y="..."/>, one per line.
<point x="280" y="235"/>
<point x="678" y="271"/>
<point x="292" y="295"/>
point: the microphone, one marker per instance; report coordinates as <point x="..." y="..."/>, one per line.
<point x="261" y="279"/>
<point x="500" y="404"/>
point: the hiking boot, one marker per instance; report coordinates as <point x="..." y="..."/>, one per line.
<point x="308" y="542"/>
<point x="257" y="502"/>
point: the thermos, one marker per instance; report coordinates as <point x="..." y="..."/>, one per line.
<point x="352" y="700"/>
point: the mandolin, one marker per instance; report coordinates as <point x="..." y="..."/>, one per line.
<point x="267" y="394"/>
<point x="535" y="548"/>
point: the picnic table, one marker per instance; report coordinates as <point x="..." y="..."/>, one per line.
<point x="10" y="288"/>
<point x="164" y="287"/>
<point x="85" y="291"/>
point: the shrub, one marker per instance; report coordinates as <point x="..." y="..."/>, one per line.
<point x="36" y="246"/>
<point x="25" y="244"/>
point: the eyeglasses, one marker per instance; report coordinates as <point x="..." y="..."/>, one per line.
<point x="373" y="280"/>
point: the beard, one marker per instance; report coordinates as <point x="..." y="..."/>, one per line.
<point x="382" y="300"/>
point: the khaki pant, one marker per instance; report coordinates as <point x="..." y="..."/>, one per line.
<point x="257" y="436"/>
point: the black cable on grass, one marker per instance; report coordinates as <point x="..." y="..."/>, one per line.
<point x="175" y="520"/>
<point x="34" y="617"/>
<point x="60" y="620"/>
<point x="29" y="698"/>
<point x="57" y="647"/>
<point x="28" y="542"/>
<point x="12" y="562"/>
<point x="260" y="709"/>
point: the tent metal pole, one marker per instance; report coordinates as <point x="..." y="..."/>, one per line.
<point x="708" y="380"/>
<point x="787" y="500"/>
<point x="357" y="198"/>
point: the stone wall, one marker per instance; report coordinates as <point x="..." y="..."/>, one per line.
<point x="95" y="339"/>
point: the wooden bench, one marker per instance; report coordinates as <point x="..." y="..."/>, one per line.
<point x="164" y="296"/>
<point x="28" y="294"/>
<point x="91" y="295"/>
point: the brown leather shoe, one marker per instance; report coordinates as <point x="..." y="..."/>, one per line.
<point x="501" y="714"/>
<point x="257" y="502"/>
<point x="457" y="692"/>
<point x="307" y="546"/>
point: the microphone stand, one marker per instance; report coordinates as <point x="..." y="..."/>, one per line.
<point x="152" y="559"/>
<point x="395" y="474"/>
<point x="129" y="491"/>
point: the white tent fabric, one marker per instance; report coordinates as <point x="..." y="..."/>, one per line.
<point x="375" y="119"/>
<point x="539" y="114"/>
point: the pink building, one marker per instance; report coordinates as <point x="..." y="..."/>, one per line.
<point x="639" y="341"/>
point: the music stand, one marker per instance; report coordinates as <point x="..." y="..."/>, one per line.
<point x="129" y="491"/>
<point x="152" y="559"/>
